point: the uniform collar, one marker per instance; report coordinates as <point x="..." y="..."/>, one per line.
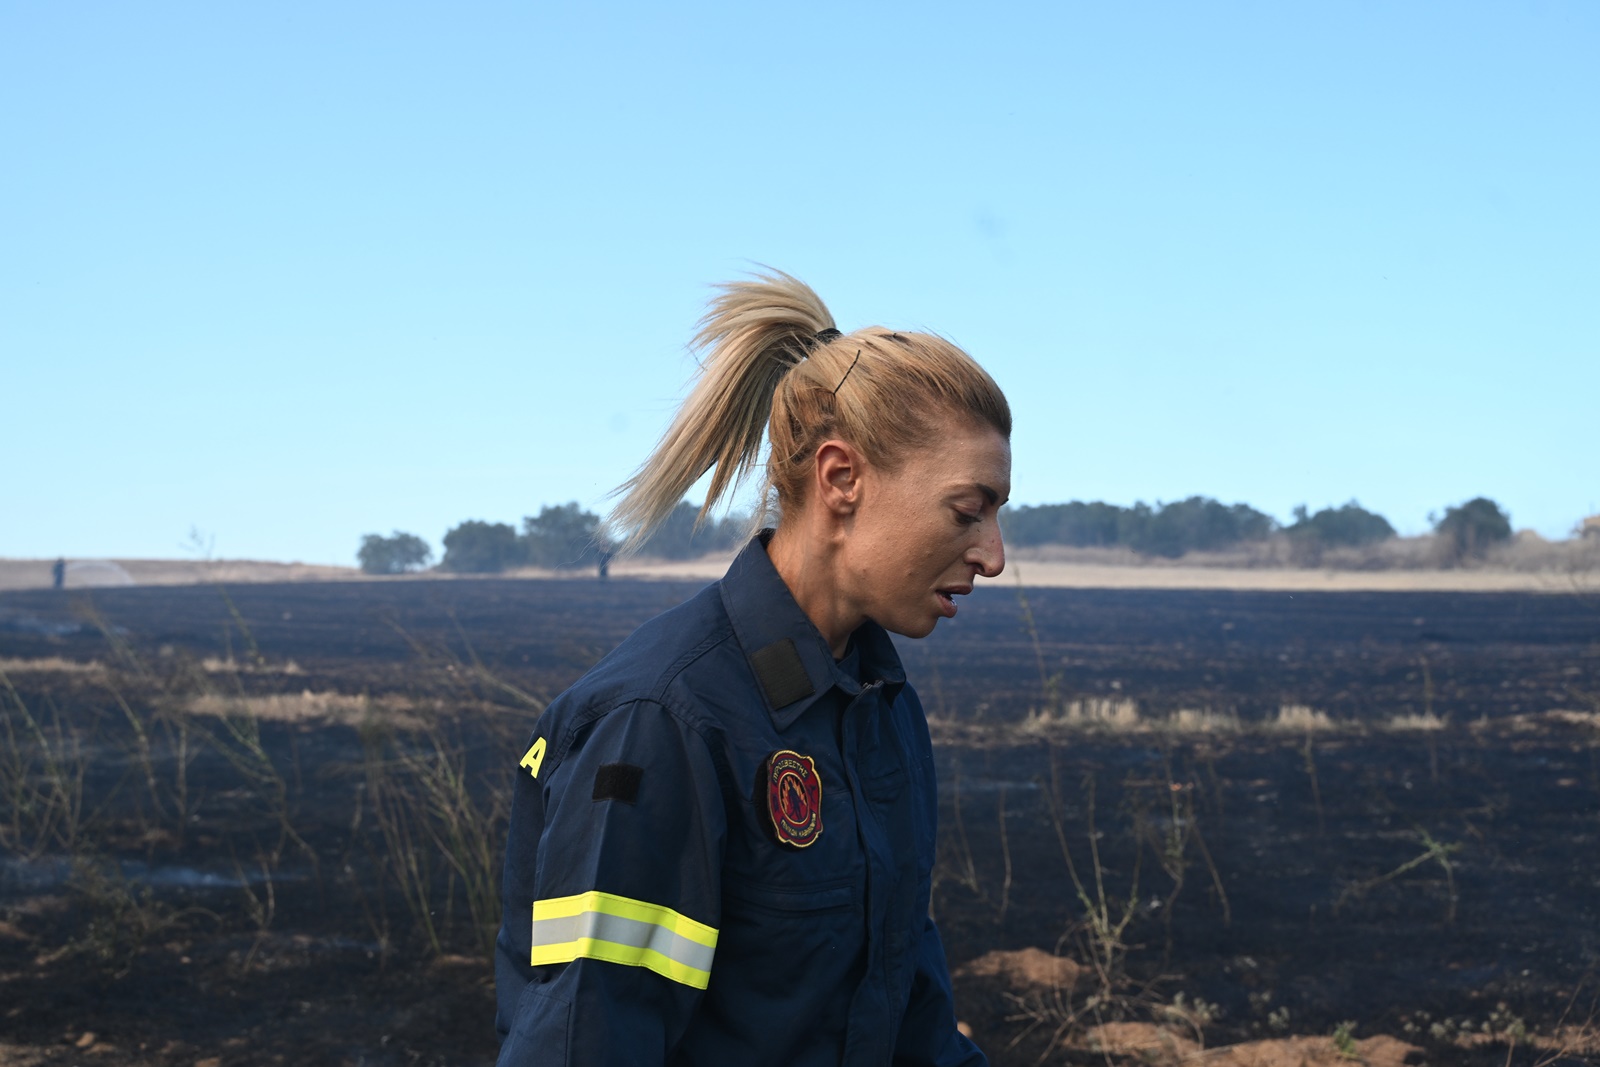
<point x="791" y="659"/>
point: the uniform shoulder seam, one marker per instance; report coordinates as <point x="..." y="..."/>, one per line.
<point x="684" y="661"/>
<point x="696" y="725"/>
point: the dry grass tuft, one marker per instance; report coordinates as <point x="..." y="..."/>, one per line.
<point x="1299" y="718"/>
<point x="286" y="707"/>
<point x="216" y="665"/>
<point x="1416" y="723"/>
<point x="1121" y="715"/>
<point x="1204" y="721"/>
<point x="1116" y="715"/>
<point x="1576" y="718"/>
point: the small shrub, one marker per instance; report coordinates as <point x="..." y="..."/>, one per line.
<point x="1344" y="1041"/>
<point x="120" y="918"/>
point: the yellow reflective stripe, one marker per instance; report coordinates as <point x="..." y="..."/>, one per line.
<point x="626" y="908"/>
<point x="611" y="952"/>
<point x="616" y="929"/>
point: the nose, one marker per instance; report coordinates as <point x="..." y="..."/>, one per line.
<point x="989" y="554"/>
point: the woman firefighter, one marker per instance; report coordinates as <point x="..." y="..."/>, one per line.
<point x="722" y="836"/>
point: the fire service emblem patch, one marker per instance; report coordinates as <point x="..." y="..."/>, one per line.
<point x="794" y="798"/>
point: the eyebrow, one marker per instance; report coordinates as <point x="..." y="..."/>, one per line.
<point x="989" y="494"/>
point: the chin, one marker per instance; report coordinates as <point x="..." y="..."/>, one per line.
<point x="916" y="628"/>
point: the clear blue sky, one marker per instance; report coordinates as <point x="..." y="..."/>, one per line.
<point x="291" y="273"/>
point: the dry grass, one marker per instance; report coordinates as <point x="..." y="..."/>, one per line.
<point x="1590" y="719"/>
<point x="217" y="665"/>
<point x="1185" y="574"/>
<point x="1204" y="721"/>
<point x="1298" y="718"/>
<point x="1093" y="713"/>
<point x="35" y="573"/>
<point x="1526" y="564"/>
<point x="1121" y="715"/>
<point x="49" y="665"/>
<point x="1424" y="723"/>
<point x="304" y="706"/>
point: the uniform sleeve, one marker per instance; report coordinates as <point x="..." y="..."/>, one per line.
<point x="928" y="1034"/>
<point x="611" y="894"/>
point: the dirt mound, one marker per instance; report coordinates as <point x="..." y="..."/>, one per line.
<point x="1146" y="1041"/>
<point x="1155" y="1045"/>
<point x="1023" y="970"/>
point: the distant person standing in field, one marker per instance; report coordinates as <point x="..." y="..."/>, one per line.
<point x="58" y="574"/>
<point x="722" y="837"/>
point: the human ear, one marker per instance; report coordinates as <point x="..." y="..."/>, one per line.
<point x="838" y="477"/>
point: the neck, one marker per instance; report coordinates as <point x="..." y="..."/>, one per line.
<point x="808" y="562"/>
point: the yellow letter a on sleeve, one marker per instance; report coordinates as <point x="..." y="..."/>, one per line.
<point x="533" y="758"/>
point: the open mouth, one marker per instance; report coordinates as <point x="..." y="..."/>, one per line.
<point x="947" y="598"/>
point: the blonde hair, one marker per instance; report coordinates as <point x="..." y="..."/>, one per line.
<point x="768" y="372"/>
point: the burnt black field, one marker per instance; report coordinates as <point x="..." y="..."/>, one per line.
<point x="1289" y="879"/>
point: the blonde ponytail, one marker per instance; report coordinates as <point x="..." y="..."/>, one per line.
<point x="756" y="331"/>
<point x="769" y="370"/>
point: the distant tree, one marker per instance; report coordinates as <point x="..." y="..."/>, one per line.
<point x="1350" y="524"/>
<point x="393" y="555"/>
<point x="562" y="536"/>
<point x="677" y="538"/>
<point x="1469" y="530"/>
<point x="476" y="547"/>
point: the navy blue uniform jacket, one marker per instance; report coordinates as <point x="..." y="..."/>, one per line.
<point x="651" y="914"/>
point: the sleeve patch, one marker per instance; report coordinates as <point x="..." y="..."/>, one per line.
<point x="782" y="673"/>
<point x="533" y="758"/>
<point x="618" y="781"/>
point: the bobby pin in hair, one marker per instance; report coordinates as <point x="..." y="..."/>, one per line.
<point x="847" y="371"/>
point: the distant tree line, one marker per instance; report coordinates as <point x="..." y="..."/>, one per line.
<point x="560" y="537"/>
<point x="565" y="536"/>
<point x="1196" y="524"/>
<point x="1201" y="524"/>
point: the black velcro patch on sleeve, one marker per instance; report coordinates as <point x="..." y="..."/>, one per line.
<point x="781" y="672"/>
<point x="618" y="781"/>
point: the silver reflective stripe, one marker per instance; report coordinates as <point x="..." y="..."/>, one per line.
<point x="631" y="933"/>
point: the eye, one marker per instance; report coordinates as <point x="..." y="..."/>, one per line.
<point x="967" y="520"/>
